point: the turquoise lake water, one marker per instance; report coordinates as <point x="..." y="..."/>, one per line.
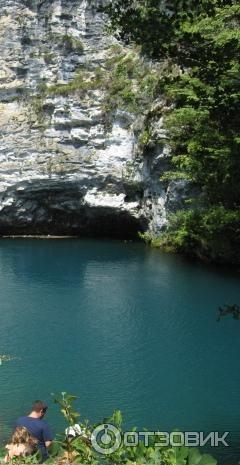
<point x="121" y="326"/>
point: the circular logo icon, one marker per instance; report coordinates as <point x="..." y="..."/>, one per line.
<point x="106" y="439"/>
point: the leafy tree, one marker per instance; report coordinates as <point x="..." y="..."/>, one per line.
<point x="153" y="24"/>
<point x="202" y="39"/>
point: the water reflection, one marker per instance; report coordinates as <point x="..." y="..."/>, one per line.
<point x="121" y="326"/>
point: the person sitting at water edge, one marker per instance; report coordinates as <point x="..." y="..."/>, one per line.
<point x="22" y="444"/>
<point x="37" y="427"/>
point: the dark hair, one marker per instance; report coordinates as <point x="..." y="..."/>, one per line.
<point x="38" y="405"/>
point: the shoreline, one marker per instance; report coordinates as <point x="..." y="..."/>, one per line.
<point x="191" y="258"/>
<point x="37" y="236"/>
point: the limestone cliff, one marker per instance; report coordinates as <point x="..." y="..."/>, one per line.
<point x="63" y="171"/>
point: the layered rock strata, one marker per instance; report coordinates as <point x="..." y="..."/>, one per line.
<point x="62" y="171"/>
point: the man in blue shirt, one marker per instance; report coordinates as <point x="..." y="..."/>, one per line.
<point x="37" y="427"/>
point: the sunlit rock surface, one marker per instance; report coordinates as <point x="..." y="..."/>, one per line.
<point x="64" y="172"/>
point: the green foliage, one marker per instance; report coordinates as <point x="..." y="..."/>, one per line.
<point x="205" y="121"/>
<point x="42" y="88"/>
<point x="129" y="82"/>
<point x="126" y="82"/>
<point x="65" y="404"/>
<point x="209" y="233"/>
<point x="79" y="450"/>
<point x="195" y="458"/>
<point x="71" y="44"/>
<point x="30" y="459"/>
<point x="36" y="112"/>
<point x="145" y="137"/>
<point x="115" y="419"/>
<point x="83" y="82"/>
<point x="2" y="453"/>
<point x="153" y="24"/>
<point x="160" y="27"/>
<point x="201" y="42"/>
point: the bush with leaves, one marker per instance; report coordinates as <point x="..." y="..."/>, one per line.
<point x="73" y="449"/>
<point x="77" y="450"/>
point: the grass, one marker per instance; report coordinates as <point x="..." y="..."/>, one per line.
<point x="71" y="44"/>
<point x="126" y="81"/>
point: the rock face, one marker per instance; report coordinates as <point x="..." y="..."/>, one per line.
<point x="63" y="172"/>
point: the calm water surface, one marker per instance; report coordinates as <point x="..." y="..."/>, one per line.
<point x="121" y="326"/>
